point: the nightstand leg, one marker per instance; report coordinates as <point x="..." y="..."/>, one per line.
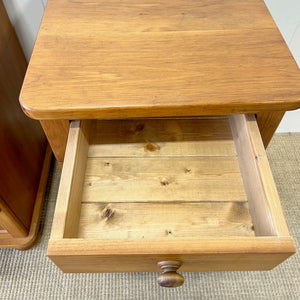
<point x="57" y="134"/>
<point x="268" y="123"/>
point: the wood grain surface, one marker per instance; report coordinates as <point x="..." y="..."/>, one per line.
<point x="186" y="184"/>
<point x="267" y="123"/>
<point x="11" y="222"/>
<point x="22" y="140"/>
<point x="196" y="254"/>
<point x="157" y="137"/>
<point x="114" y="59"/>
<point x="264" y="203"/>
<point x="57" y="133"/>
<point x="24" y="243"/>
<point x="163" y="179"/>
<point x="119" y="198"/>
<point x="164" y="220"/>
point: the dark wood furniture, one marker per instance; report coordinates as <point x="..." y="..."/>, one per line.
<point x="22" y="149"/>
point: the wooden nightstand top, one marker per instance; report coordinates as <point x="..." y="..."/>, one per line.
<point x="139" y="58"/>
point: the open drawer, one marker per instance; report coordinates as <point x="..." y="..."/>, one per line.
<point x="198" y="191"/>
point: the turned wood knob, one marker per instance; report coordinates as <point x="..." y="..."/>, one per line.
<point x="169" y="277"/>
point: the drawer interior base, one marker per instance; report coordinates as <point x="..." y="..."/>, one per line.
<point x="163" y="178"/>
<point x="164" y="220"/>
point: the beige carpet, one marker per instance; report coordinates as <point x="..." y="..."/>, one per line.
<point x="31" y="275"/>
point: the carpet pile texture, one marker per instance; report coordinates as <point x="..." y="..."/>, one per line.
<point x="31" y="275"/>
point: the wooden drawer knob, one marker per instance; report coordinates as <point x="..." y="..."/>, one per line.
<point x="169" y="277"/>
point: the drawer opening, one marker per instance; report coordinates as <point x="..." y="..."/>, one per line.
<point x="169" y="178"/>
<point x="136" y="192"/>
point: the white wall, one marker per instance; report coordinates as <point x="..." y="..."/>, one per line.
<point x="286" y="14"/>
<point x="26" y="16"/>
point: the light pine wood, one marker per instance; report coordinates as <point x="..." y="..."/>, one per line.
<point x="162" y="160"/>
<point x="65" y="222"/>
<point x="163" y="179"/>
<point x="266" y="177"/>
<point x="156" y="137"/>
<point x="263" y="199"/>
<point x="57" y="134"/>
<point x="150" y="148"/>
<point x="106" y="59"/>
<point x="164" y="220"/>
<point x="158" y="16"/>
<point x="267" y="123"/>
<point x="80" y="150"/>
<point x="258" y="202"/>
<point x="196" y="254"/>
<point x="226" y="243"/>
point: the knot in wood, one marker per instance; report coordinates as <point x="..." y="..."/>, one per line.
<point x="187" y="170"/>
<point x="108" y="213"/>
<point x="139" y="127"/>
<point x="151" y="147"/>
<point x="164" y="182"/>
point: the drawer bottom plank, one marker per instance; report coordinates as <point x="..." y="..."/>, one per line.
<point x="164" y="220"/>
<point x="163" y="179"/>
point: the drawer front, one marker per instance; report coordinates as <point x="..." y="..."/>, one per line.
<point x="197" y="191"/>
<point x="203" y="254"/>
